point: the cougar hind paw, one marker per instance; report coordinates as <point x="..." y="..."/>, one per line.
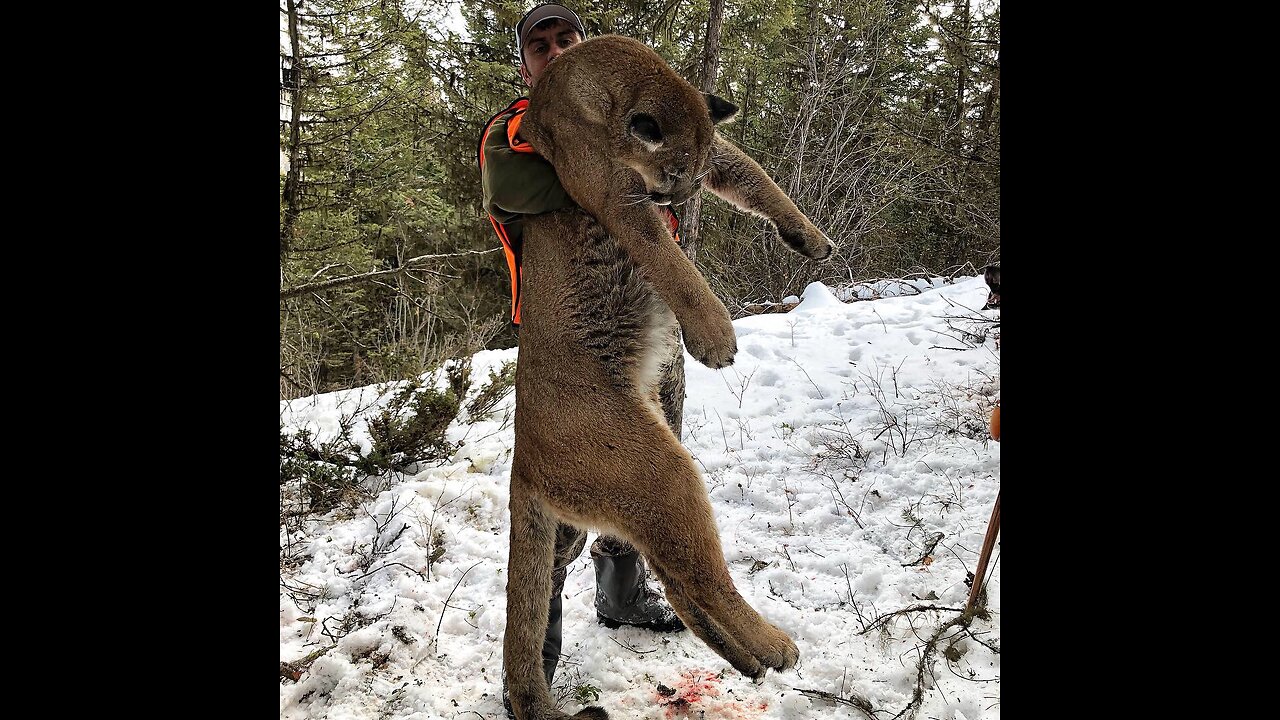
<point x="781" y="654"/>
<point x="782" y="658"/>
<point x="778" y="651"/>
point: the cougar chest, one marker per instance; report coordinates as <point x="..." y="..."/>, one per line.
<point x="620" y="320"/>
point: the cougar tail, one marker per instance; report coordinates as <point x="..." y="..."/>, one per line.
<point x="533" y="537"/>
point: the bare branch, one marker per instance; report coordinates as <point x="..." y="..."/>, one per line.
<point x="351" y="279"/>
<point x="435" y="642"/>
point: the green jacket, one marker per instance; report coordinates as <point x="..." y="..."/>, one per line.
<point x="516" y="181"/>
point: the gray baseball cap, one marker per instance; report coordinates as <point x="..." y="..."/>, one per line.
<point x="542" y="12"/>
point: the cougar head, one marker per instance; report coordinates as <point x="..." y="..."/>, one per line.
<point x="618" y="96"/>
<point x="669" y="142"/>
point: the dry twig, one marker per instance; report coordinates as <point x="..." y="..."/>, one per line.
<point x="854" y="700"/>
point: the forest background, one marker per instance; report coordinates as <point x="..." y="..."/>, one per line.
<point x="880" y="118"/>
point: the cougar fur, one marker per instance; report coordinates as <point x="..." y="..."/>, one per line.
<point x="606" y="292"/>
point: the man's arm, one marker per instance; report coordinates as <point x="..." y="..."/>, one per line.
<point x="517" y="183"/>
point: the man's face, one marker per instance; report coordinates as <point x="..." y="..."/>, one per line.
<point x="545" y="43"/>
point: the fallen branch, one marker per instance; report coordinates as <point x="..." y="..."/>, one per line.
<point x="979" y="640"/>
<point x="628" y="647"/>
<point x="293" y="670"/>
<point x="917" y="697"/>
<point x="914" y="608"/>
<point x="384" y="567"/>
<point x="854" y="700"/>
<point x="930" y="544"/>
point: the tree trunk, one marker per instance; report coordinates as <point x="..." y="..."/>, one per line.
<point x="961" y="59"/>
<point x="689" y="229"/>
<point x="964" y="147"/>
<point x="292" y="179"/>
<point x="808" y="100"/>
<point x="988" y="105"/>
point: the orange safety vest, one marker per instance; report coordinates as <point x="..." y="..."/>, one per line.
<point x="512" y="249"/>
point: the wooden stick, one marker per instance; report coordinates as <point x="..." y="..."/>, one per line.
<point x="993" y="529"/>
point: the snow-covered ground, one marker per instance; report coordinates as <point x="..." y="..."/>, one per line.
<point x="847" y="459"/>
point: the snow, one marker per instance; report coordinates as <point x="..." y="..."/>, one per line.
<point x="847" y="435"/>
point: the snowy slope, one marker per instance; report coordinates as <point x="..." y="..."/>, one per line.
<point x="842" y="442"/>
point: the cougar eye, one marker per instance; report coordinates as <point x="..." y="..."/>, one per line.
<point x="646" y="129"/>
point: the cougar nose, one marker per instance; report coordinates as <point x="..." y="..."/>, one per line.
<point x="677" y="177"/>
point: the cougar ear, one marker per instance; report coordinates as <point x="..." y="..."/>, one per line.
<point x="721" y="110"/>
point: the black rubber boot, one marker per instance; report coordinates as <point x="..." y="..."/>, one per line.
<point x="622" y="596"/>
<point x="551" y="645"/>
<point x="555" y="626"/>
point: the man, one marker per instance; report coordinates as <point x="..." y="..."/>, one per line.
<point x="518" y="182"/>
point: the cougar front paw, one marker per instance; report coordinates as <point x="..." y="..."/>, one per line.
<point x="805" y="239"/>
<point x="710" y="339"/>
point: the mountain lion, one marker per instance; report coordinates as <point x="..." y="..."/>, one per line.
<point x="604" y="290"/>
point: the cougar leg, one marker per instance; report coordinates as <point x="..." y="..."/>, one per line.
<point x="684" y="545"/>
<point x="711" y="590"/>
<point x="706" y="629"/>
<point x="529" y="567"/>
<point x="671" y="386"/>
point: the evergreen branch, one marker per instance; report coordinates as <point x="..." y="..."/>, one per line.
<point x="334" y="14"/>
